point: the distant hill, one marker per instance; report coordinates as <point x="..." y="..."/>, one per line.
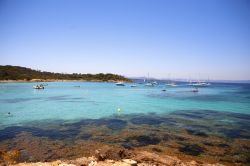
<point x="22" y="73"/>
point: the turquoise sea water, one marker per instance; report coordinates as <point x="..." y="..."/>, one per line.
<point x="212" y="125"/>
<point x="65" y="101"/>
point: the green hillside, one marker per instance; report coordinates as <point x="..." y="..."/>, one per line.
<point x="21" y="73"/>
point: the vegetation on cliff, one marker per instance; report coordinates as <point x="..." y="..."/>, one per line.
<point x="22" y="73"/>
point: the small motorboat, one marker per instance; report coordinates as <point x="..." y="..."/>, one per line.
<point x="154" y="83"/>
<point x="171" y="84"/>
<point x="195" y="90"/>
<point x="120" y="84"/>
<point x="149" y="84"/>
<point x="163" y="90"/>
<point x="38" y="86"/>
<point x="133" y="86"/>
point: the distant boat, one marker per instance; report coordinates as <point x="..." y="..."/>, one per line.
<point x="200" y="84"/>
<point x="38" y="86"/>
<point x="154" y="83"/>
<point x="133" y="86"/>
<point x="195" y="90"/>
<point x="120" y="84"/>
<point x="149" y="84"/>
<point x="190" y="82"/>
<point x="163" y="90"/>
<point x="171" y="84"/>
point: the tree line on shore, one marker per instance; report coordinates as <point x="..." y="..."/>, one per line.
<point x="22" y="73"/>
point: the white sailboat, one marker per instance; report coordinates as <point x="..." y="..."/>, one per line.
<point x="154" y="82"/>
<point x="201" y="84"/>
<point x="171" y="83"/>
<point x="190" y="82"/>
<point x="148" y="83"/>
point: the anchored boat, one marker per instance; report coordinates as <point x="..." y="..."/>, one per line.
<point x="200" y="84"/>
<point x="38" y="86"/>
<point x="120" y="84"/>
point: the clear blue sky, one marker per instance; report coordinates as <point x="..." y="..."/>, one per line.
<point x="184" y="38"/>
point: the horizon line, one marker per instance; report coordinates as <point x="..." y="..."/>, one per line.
<point x="143" y="77"/>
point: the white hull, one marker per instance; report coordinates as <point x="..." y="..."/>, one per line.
<point x="172" y="84"/>
<point x="149" y="84"/>
<point x="201" y="84"/>
<point x="120" y="84"/>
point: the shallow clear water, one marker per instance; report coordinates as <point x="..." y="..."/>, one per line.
<point x="64" y="101"/>
<point x="210" y="126"/>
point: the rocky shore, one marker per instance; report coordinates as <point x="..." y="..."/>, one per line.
<point x="146" y="139"/>
<point x="101" y="158"/>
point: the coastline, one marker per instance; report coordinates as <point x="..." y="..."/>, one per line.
<point x="57" y="80"/>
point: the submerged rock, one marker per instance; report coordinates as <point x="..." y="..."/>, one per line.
<point x="193" y="150"/>
<point x="143" y="140"/>
<point x="196" y="133"/>
<point x="10" y="157"/>
<point x="146" y="120"/>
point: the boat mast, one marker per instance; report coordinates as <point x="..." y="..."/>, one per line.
<point x="148" y="78"/>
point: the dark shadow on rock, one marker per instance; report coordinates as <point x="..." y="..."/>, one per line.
<point x="196" y="133"/>
<point x="222" y="145"/>
<point x="156" y="150"/>
<point x="188" y="115"/>
<point x="240" y="116"/>
<point x="208" y="144"/>
<point x="235" y="133"/>
<point x="113" y="124"/>
<point x="146" y="120"/>
<point x="142" y="140"/>
<point x="199" y="127"/>
<point x="193" y="150"/>
<point x="116" y="124"/>
<point x="245" y="125"/>
<point x="201" y="113"/>
<point x="85" y="136"/>
<point x="127" y="145"/>
<point x="11" y="132"/>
